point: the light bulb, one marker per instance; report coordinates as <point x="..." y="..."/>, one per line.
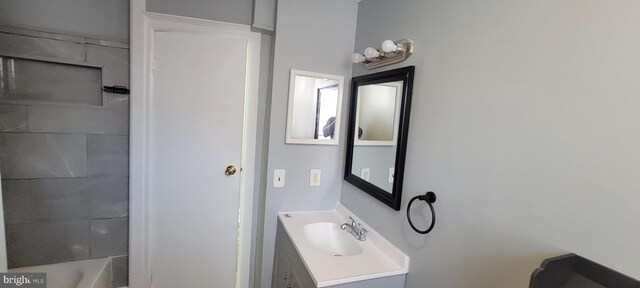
<point x="389" y="46"/>
<point x="357" y="58"/>
<point x="371" y="53"/>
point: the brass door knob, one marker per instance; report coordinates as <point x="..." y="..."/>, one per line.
<point x="230" y="170"/>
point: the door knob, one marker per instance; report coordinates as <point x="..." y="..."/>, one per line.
<point x="230" y="170"/>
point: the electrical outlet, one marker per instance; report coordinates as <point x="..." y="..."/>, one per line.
<point x="278" y="178"/>
<point x="314" y="177"/>
<point x="364" y="173"/>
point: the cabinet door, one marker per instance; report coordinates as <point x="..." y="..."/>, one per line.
<point x="281" y="269"/>
<point x="294" y="283"/>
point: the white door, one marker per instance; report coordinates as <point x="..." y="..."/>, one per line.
<point x="195" y="132"/>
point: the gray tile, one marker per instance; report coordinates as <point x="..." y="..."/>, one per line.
<point x="110" y="198"/>
<point x="109" y="237"/>
<point x="64" y="201"/>
<point x="48" y="200"/>
<point x="112" y="120"/>
<point x="55" y="199"/>
<point x="114" y="62"/>
<point x="120" y="268"/>
<point x="107" y="155"/>
<point x="116" y="101"/>
<point x="40" y="47"/>
<point x="13" y="118"/>
<point x="24" y="155"/>
<point x="17" y="208"/>
<point x="42" y="82"/>
<point x="121" y="260"/>
<point x="46" y="243"/>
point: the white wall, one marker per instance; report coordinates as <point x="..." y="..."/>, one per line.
<point x="315" y="36"/>
<point x="525" y="122"/>
<point x="99" y="19"/>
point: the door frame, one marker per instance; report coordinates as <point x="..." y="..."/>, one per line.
<point x="143" y="26"/>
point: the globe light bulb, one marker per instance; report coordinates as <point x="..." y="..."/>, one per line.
<point x="357" y="58"/>
<point x="371" y="53"/>
<point x="389" y="46"/>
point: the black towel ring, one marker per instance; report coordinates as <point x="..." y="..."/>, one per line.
<point x="430" y="198"/>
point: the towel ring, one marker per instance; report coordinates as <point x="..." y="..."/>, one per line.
<point x="430" y="198"/>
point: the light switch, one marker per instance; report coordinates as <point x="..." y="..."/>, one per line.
<point x="364" y="173"/>
<point x="392" y="173"/>
<point x="314" y="177"/>
<point x="278" y="178"/>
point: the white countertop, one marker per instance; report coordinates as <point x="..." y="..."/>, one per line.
<point x="379" y="258"/>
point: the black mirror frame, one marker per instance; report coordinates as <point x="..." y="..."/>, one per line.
<point x="404" y="74"/>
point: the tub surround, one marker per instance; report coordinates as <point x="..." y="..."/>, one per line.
<point x="65" y="166"/>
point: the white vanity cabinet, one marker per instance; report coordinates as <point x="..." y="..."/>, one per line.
<point x="291" y="271"/>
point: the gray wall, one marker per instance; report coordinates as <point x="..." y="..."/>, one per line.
<point x="65" y="167"/>
<point x="525" y="123"/>
<point x="378" y="159"/>
<point x="313" y="36"/>
<point x="262" y="147"/>
<point x="233" y="11"/>
<point x="99" y="19"/>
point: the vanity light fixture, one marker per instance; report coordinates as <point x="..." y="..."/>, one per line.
<point x="391" y="52"/>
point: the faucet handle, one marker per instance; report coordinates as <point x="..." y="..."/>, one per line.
<point x="362" y="235"/>
<point x="353" y="222"/>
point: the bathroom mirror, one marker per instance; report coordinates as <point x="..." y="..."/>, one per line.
<point x="314" y="108"/>
<point x="377" y="136"/>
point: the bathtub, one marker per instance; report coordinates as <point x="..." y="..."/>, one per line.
<point x="94" y="273"/>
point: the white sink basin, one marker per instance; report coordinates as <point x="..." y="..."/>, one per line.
<point x="333" y="256"/>
<point x="329" y="239"/>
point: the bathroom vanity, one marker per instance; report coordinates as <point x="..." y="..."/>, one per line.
<point x="313" y="251"/>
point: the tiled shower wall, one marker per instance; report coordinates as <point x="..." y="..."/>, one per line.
<point x="65" y="167"/>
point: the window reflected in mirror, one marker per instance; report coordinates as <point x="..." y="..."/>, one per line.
<point x="327" y="107"/>
<point x="314" y="108"/>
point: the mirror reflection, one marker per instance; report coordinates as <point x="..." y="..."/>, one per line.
<point x="377" y="116"/>
<point x="314" y="108"/>
<point x="378" y="126"/>
<point x="378" y="112"/>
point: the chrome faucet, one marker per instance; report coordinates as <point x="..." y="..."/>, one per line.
<point x="355" y="230"/>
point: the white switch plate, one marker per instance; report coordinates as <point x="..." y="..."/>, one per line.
<point x="278" y="178"/>
<point x="392" y="173"/>
<point x="314" y="177"/>
<point x="364" y="173"/>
